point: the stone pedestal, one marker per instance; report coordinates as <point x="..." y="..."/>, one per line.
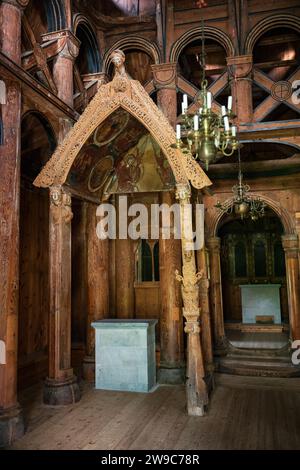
<point x="125" y="355"/>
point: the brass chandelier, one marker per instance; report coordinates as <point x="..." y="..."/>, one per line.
<point x="243" y="204"/>
<point x="206" y="134"/>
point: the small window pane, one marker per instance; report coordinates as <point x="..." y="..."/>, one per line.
<point x="240" y="260"/>
<point x="146" y="262"/>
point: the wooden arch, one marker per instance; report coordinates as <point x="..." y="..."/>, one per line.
<point x="275" y="21"/>
<point x="133" y="42"/>
<point x="121" y="92"/>
<point x="282" y="214"/>
<point x="193" y="34"/>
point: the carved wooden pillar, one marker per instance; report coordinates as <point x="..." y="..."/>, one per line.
<point x="197" y="396"/>
<point x="165" y="82"/>
<point x="68" y="46"/>
<point x="291" y="247"/>
<point x="171" y="323"/>
<point x="61" y="386"/>
<point x="98" y="288"/>
<point x="206" y="333"/>
<point x="11" y="422"/>
<point x="220" y="343"/>
<point x="239" y="69"/>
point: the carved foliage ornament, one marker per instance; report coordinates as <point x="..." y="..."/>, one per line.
<point x="131" y="96"/>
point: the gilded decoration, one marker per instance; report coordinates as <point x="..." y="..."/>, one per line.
<point x="121" y="92"/>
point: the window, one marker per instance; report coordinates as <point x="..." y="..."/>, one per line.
<point x="240" y="260"/>
<point x="148" y="261"/>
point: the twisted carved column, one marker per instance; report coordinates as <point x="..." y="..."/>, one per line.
<point x="61" y="386"/>
<point x="11" y="422"/>
<point x="220" y="343"/>
<point x="240" y="69"/>
<point x="291" y="247"/>
<point x="171" y="324"/>
<point x="197" y="396"/>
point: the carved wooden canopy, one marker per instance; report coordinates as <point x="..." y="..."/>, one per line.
<point x="121" y="92"/>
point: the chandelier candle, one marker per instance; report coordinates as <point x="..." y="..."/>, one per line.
<point x="206" y="135"/>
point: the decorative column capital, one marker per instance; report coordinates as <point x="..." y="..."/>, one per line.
<point x="67" y="43"/>
<point x="183" y="193"/>
<point x="60" y="205"/>
<point x="214" y="244"/>
<point x="290" y="245"/>
<point x="240" y="67"/>
<point x="17" y="3"/>
<point x="165" y="75"/>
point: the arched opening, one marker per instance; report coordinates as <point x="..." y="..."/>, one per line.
<point x="138" y="65"/>
<point x="276" y="54"/>
<point x="43" y="16"/>
<point x="190" y="69"/>
<point x="88" y="60"/>
<point x="37" y="144"/>
<point x="254" y="286"/>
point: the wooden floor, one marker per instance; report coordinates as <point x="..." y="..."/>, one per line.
<point x="257" y="340"/>
<point x="245" y="413"/>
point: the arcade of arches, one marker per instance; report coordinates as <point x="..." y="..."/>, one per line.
<point x="57" y="277"/>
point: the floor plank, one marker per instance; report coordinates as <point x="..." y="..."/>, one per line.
<point x="244" y="413"/>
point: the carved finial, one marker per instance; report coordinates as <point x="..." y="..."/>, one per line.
<point x="120" y="83"/>
<point x="118" y="59"/>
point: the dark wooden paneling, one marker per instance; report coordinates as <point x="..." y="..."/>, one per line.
<point x="34" y="286"/>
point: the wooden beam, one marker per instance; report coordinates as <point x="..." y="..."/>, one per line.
<point x="14" y="71"/>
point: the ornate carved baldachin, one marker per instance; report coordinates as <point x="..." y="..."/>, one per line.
<point x="133" y="99"/>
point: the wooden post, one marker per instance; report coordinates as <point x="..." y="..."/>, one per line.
<point x="206" y="333"/>
<point x="98" y="288"/>
<point x="124" y="269"/>
<point x="124" y="279"/>
<point x="63" y="66"/>
<point x="220" y="343"/>
<point x="61" y="386"/>
<point x="11" y="421"/>
<point x="291" y="247"/>
<point x="239" y="69"/>
<point x="165" y="82"/>
<point x="196" y="389"/>
<point x="171" y="323"/>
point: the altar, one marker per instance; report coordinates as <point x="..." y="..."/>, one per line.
<point x="261" y="301"/>
<point x="125" y="355"/>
